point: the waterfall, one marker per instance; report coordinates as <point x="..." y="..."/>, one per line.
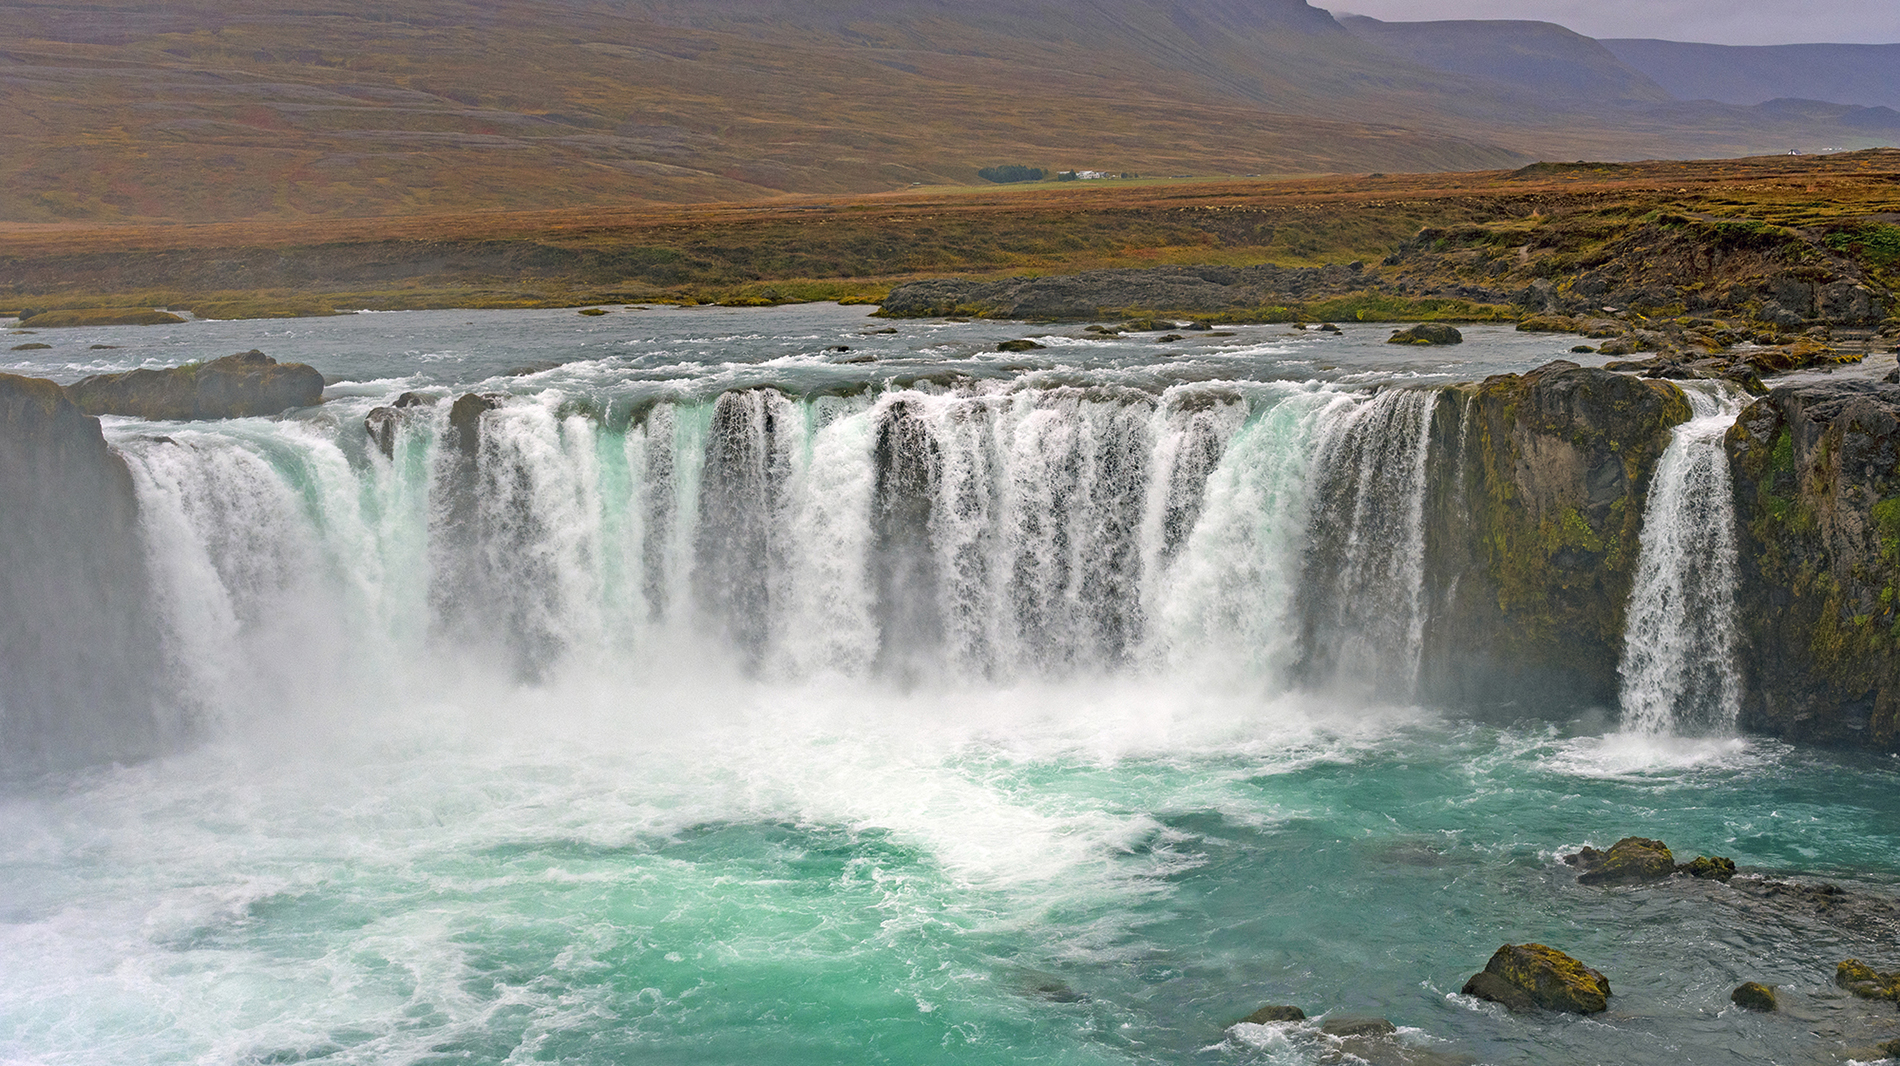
<point x="1363" y="614"/>
<point x="1678" y="668"/>
<point x="1271" y="534"/>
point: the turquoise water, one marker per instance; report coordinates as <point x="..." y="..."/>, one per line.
<point x="569" y="827"/>
<point x="1105" y="876"/>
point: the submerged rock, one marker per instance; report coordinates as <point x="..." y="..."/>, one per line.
<point x="1630" y="861"/>
<point x="1547" y="977"/>
<point x="1427" y="333"/>
<point x="1346" y="1026"/>
<point x="1754" y="996"/>
<point x="1275" y="1013"/>
<point x="245" y="385"/>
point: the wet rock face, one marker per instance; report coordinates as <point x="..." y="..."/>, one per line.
<point x="1630" y="861"/>
<point x="81" y="664"/>
<point x="1533" y="526"/>
<point x="1539" y="976"/>
<point x="1816" y="475"/>
<point x="247" y="385"/>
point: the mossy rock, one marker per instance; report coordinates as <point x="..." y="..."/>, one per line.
<point x="1273" y="1012"/>
<point x="1754" y="996"/>
<point x="592" y="312"/>
<point x="1630" y="861"/>
<point x="1709" y="867"/>
<point x="1890" y="1048"/>
<point x="1427" y="333"/>
<point x="30" y="346"/>
<point x="1543" y="976"/>
<point x="1866" y="982"/>
<point x="1020" y="346"/>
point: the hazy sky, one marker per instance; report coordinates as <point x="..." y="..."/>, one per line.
<point x="1709" y="21"/>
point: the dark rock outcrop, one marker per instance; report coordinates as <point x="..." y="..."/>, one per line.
<point x="1630" y="861"/>
<point x="1754" y="996"/>
<point x="1427" y="333"/>
<point x="1816" y="477"/>
<point x="1543" y="976"/>
<point x="82" y="666"/>
<point x="245" y="385"/>
<point x="1537" y="487"/>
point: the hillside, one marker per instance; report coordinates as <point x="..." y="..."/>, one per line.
<point x="1863" y="74"/>
<point x="1564" y="69"/>
<point x="125" y="111"/>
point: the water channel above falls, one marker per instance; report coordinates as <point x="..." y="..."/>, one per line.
<point x="735" y="698"/>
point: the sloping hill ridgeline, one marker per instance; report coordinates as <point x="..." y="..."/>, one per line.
<point x="200" y="111"/>
<point x="1864" y="74"/>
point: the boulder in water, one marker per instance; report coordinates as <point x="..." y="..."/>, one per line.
<point x="1019" y="346"/>
<point x="1548" y="978"/>
<point x="465" y="420"/>
<point x="1866" y="982"/>
<point x="246" y="385"/>
<point x="1489" y="986"/>
<point x="1754" y="996"/>
<point x="1275" y="1013"/>
<point x="381" y="425"/>
<point x="1427" y="333"/>
<point x="1630" y="861"/>
<point x="1709" y="867"/>
<point x="1348" y="1026"/>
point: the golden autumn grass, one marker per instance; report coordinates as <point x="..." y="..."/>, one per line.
<point x="853" y="248"/>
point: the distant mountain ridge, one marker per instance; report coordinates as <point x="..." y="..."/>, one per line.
<point x="209" y="110"/>
<point x="1864" y="74"/>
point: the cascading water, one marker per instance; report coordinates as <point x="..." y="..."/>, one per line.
<point x="1364" y="614"/>
<point x="957" y="536"/>
<point x="1678" y="668"/>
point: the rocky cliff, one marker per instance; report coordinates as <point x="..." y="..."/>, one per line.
<point x="1537" y="487"/>
<point x="82" y="668"/>
<point x="1816" y="474"/>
